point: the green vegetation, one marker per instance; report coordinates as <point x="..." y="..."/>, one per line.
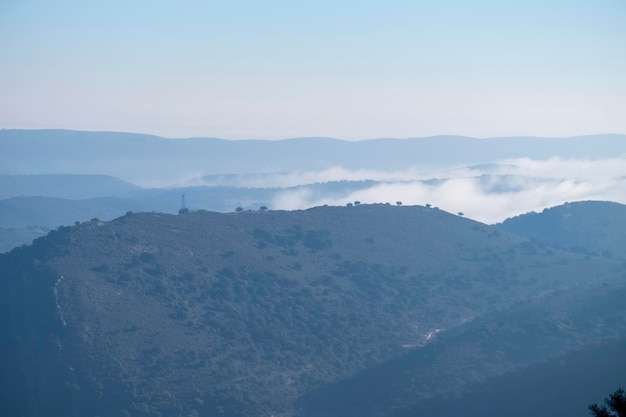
<point x="593" y="227"/>
<point x="614" y="406"/>
<point x="246" y="314"/>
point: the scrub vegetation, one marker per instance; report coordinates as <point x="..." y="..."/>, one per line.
<point x="331" y="311"/>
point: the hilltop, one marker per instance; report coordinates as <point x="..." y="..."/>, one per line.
<point x="246" y="314"/>
<point x="587" y="226"/>
<point x="50" y="178"/>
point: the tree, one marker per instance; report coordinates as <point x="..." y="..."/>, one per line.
<point x="238" y="210"/>
<point x="615" y="405"/>
<point x="263" y="208"/>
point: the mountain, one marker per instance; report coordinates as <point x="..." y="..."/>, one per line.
<point x="36" y="202"/>
<point x="565" y="385"/>
<point x="48" y="212"/>
<point x="254" y="313"/>
<point x="50" y="178"/>
<point x="587" y="226"/>
<point x="75" y="187"/>
<point x="145" y="159"/>
<point x="525" y="361"/>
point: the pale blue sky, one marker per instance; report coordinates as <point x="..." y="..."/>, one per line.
<point x="347" y="69"/>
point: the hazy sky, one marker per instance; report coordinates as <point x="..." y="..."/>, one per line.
<point x="347" y="69"/>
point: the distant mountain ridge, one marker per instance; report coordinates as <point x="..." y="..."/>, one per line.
<point x="143" y="158"/>
<point x="73" y="187"/>
<point x="50" y="178"/>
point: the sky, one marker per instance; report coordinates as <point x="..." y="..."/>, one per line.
<point x="346" y="69"/>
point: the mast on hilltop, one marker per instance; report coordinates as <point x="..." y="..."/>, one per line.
<point x="183" y="207"/>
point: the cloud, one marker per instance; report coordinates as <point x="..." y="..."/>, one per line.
<point x="489" y="193"/>
<point x="296" y="178"/>
<point x="294" y="200"/>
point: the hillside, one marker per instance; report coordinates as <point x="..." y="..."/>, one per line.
<point x="47" y="201"/>
<point x="563" y="386"/>
<point x="21" y="212"/>
<point x="76" y="187"/>
<point x="246" y="314"/>
<point x="587" y="226"/>
<point x="13" y="237"/>
<point x="50" y="178"/>
<point x="60" y="200"/>
<point x="525" y="361"/>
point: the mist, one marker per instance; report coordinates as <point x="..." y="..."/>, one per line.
<point x="489" y="193"/>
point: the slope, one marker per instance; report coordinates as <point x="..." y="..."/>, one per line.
<point x="587" y="226"/>
<point x="504" y="363"/>
<point x="242" y="314"/>
<point x="77" y="187"/>
<point x="22" y="212"/>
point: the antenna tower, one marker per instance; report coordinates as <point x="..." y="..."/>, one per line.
<point x="183" y="207"/>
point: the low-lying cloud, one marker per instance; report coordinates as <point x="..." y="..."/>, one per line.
<point x="489" y="193"/>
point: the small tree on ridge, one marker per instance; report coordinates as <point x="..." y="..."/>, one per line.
<point x="615" y="405"/>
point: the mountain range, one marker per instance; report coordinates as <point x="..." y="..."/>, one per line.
<point x="50" y="178"/>
<point x="149" y="160"/>
<point x="368" y="310"/>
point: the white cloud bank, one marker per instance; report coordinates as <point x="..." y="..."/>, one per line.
<point x="489" y="193"/>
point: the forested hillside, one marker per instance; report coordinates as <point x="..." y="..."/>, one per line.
<point x="254" y="313"/>
<point x="587" y="226"/>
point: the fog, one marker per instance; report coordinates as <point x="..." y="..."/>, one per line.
<point x="489" y="193"/>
